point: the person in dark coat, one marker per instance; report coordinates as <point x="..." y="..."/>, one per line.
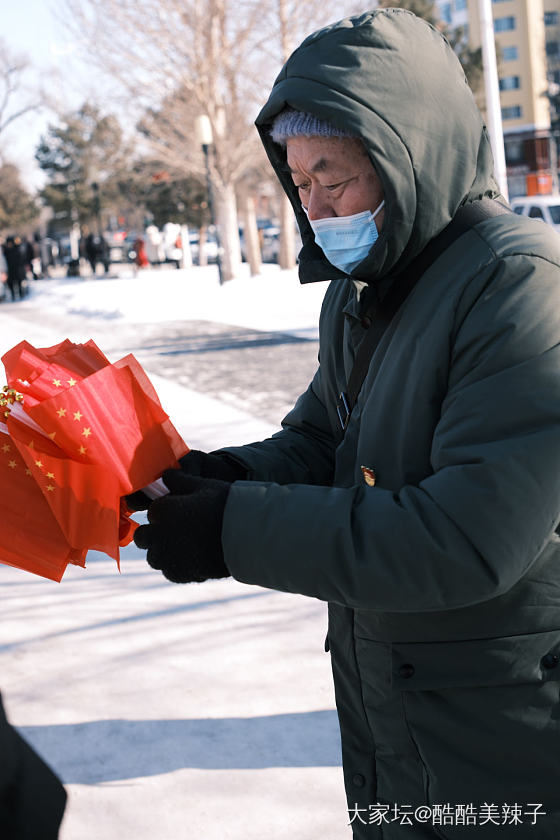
<point x="28" y="257"/>
<point x="103" y="252"/>
<point x="15" y="265"/>
<point x="426" y="514"/>
<point x="3" y="273"/>
<point x="32" y="799"/>
<point x="91" y="250"/>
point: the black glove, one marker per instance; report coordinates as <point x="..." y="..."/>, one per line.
<point x="209" y="465"/>
<point x="195" y="462"/>
<point x="184" y="537"/>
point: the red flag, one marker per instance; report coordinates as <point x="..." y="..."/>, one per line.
<point x="86" y="433"/>
<point x="84" y="498"/>
<point x="32" y="538"/>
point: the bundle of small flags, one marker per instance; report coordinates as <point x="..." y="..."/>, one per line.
<point x="77" y="434"/>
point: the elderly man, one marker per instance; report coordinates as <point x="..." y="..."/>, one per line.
<point x="415" y="486"/>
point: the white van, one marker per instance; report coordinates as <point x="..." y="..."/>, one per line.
<point x="545" y="207"/>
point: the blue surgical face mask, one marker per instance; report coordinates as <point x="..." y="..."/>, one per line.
<point x="346" y="240"/>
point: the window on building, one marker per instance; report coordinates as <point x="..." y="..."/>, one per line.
<point x="510" y="83"/>
<point x="536" y="213"/>
<point x="460" y="5"/>
<point x="552" y="48"/>
<point x="515" y="152"/>
<point x="551" y="18"/>
<point x="504" y="24"/>
<point x="512" y="112"/>
<point x="510" y="53"/>
<point x="445" y="12"/>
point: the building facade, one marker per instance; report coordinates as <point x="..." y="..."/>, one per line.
<point x="527" y="36"/>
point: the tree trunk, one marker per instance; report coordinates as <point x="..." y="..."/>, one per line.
<point x="186" y="256"/>
<point x="252" y="245"/>
<point x="230" y="249"/>
<point x="287" y="255"/>
<point x="202" y="258"/>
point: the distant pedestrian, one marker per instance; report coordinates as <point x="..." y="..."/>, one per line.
<point x="3" y="274"/>
<point x="141" y="258"/>
<point x="154" y="245"/>
<point x="96" y="251"/>
<point x="104" y="252"/>
<point x="28" y="257"/>
<point x="90" y="248"/>
<point x="15" y="266"/>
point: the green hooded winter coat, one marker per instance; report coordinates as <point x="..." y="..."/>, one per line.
<point x="443" y="579"/>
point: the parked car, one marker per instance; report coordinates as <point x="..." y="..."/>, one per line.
<point x="269" y="238"/>
<point x="116" y="241"/>
<point x="210" y="247"/>
<point x="129" y="243"/>
<point x="545" y="207"/>
<point x="270" y="244"/>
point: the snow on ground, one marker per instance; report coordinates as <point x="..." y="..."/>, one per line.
<point x="174" y="712"/>
<point x="274" y="300"/>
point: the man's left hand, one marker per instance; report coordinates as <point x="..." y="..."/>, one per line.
<point x="184" y="537"/>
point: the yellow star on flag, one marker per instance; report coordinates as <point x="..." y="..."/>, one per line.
<point x="50" y="475"/>
<point x="57" y="382"/>
<point x="82" y="450"/>
<point x="28" y="471"/>
<point x="78" y="415"/>
<point x="6" y="447"/>
<point x="86" y="432"/>
<point x="71" y="382"/>
<point x="50" y="488"/>
<point x="39" y="464"/>
<point x="12" y="464"/>
<point x="61" y="412"/>
<point x="52" y="435"/>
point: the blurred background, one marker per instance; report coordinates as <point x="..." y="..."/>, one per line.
<point x="126" y="129"/>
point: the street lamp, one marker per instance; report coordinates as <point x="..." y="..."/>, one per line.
<point x="203" y="132"/>
<point x="493" y="108"/>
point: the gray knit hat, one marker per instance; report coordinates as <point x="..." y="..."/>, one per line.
<point x="292" y="123"/>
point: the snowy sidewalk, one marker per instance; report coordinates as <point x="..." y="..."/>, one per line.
<point x="173" y="712"/>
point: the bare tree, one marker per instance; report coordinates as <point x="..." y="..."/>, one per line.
<point x="17" y="206"/>
<point x="177" y="59"/>
<point x="15" y="99"/>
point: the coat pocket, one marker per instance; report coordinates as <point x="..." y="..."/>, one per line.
<point x="485" y="718"/>
<point x="507" y="660"/>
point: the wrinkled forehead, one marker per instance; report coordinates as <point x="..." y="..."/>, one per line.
<point x="324" y="154"/>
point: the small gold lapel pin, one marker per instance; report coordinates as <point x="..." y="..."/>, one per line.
<point x="369" y="476"/>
